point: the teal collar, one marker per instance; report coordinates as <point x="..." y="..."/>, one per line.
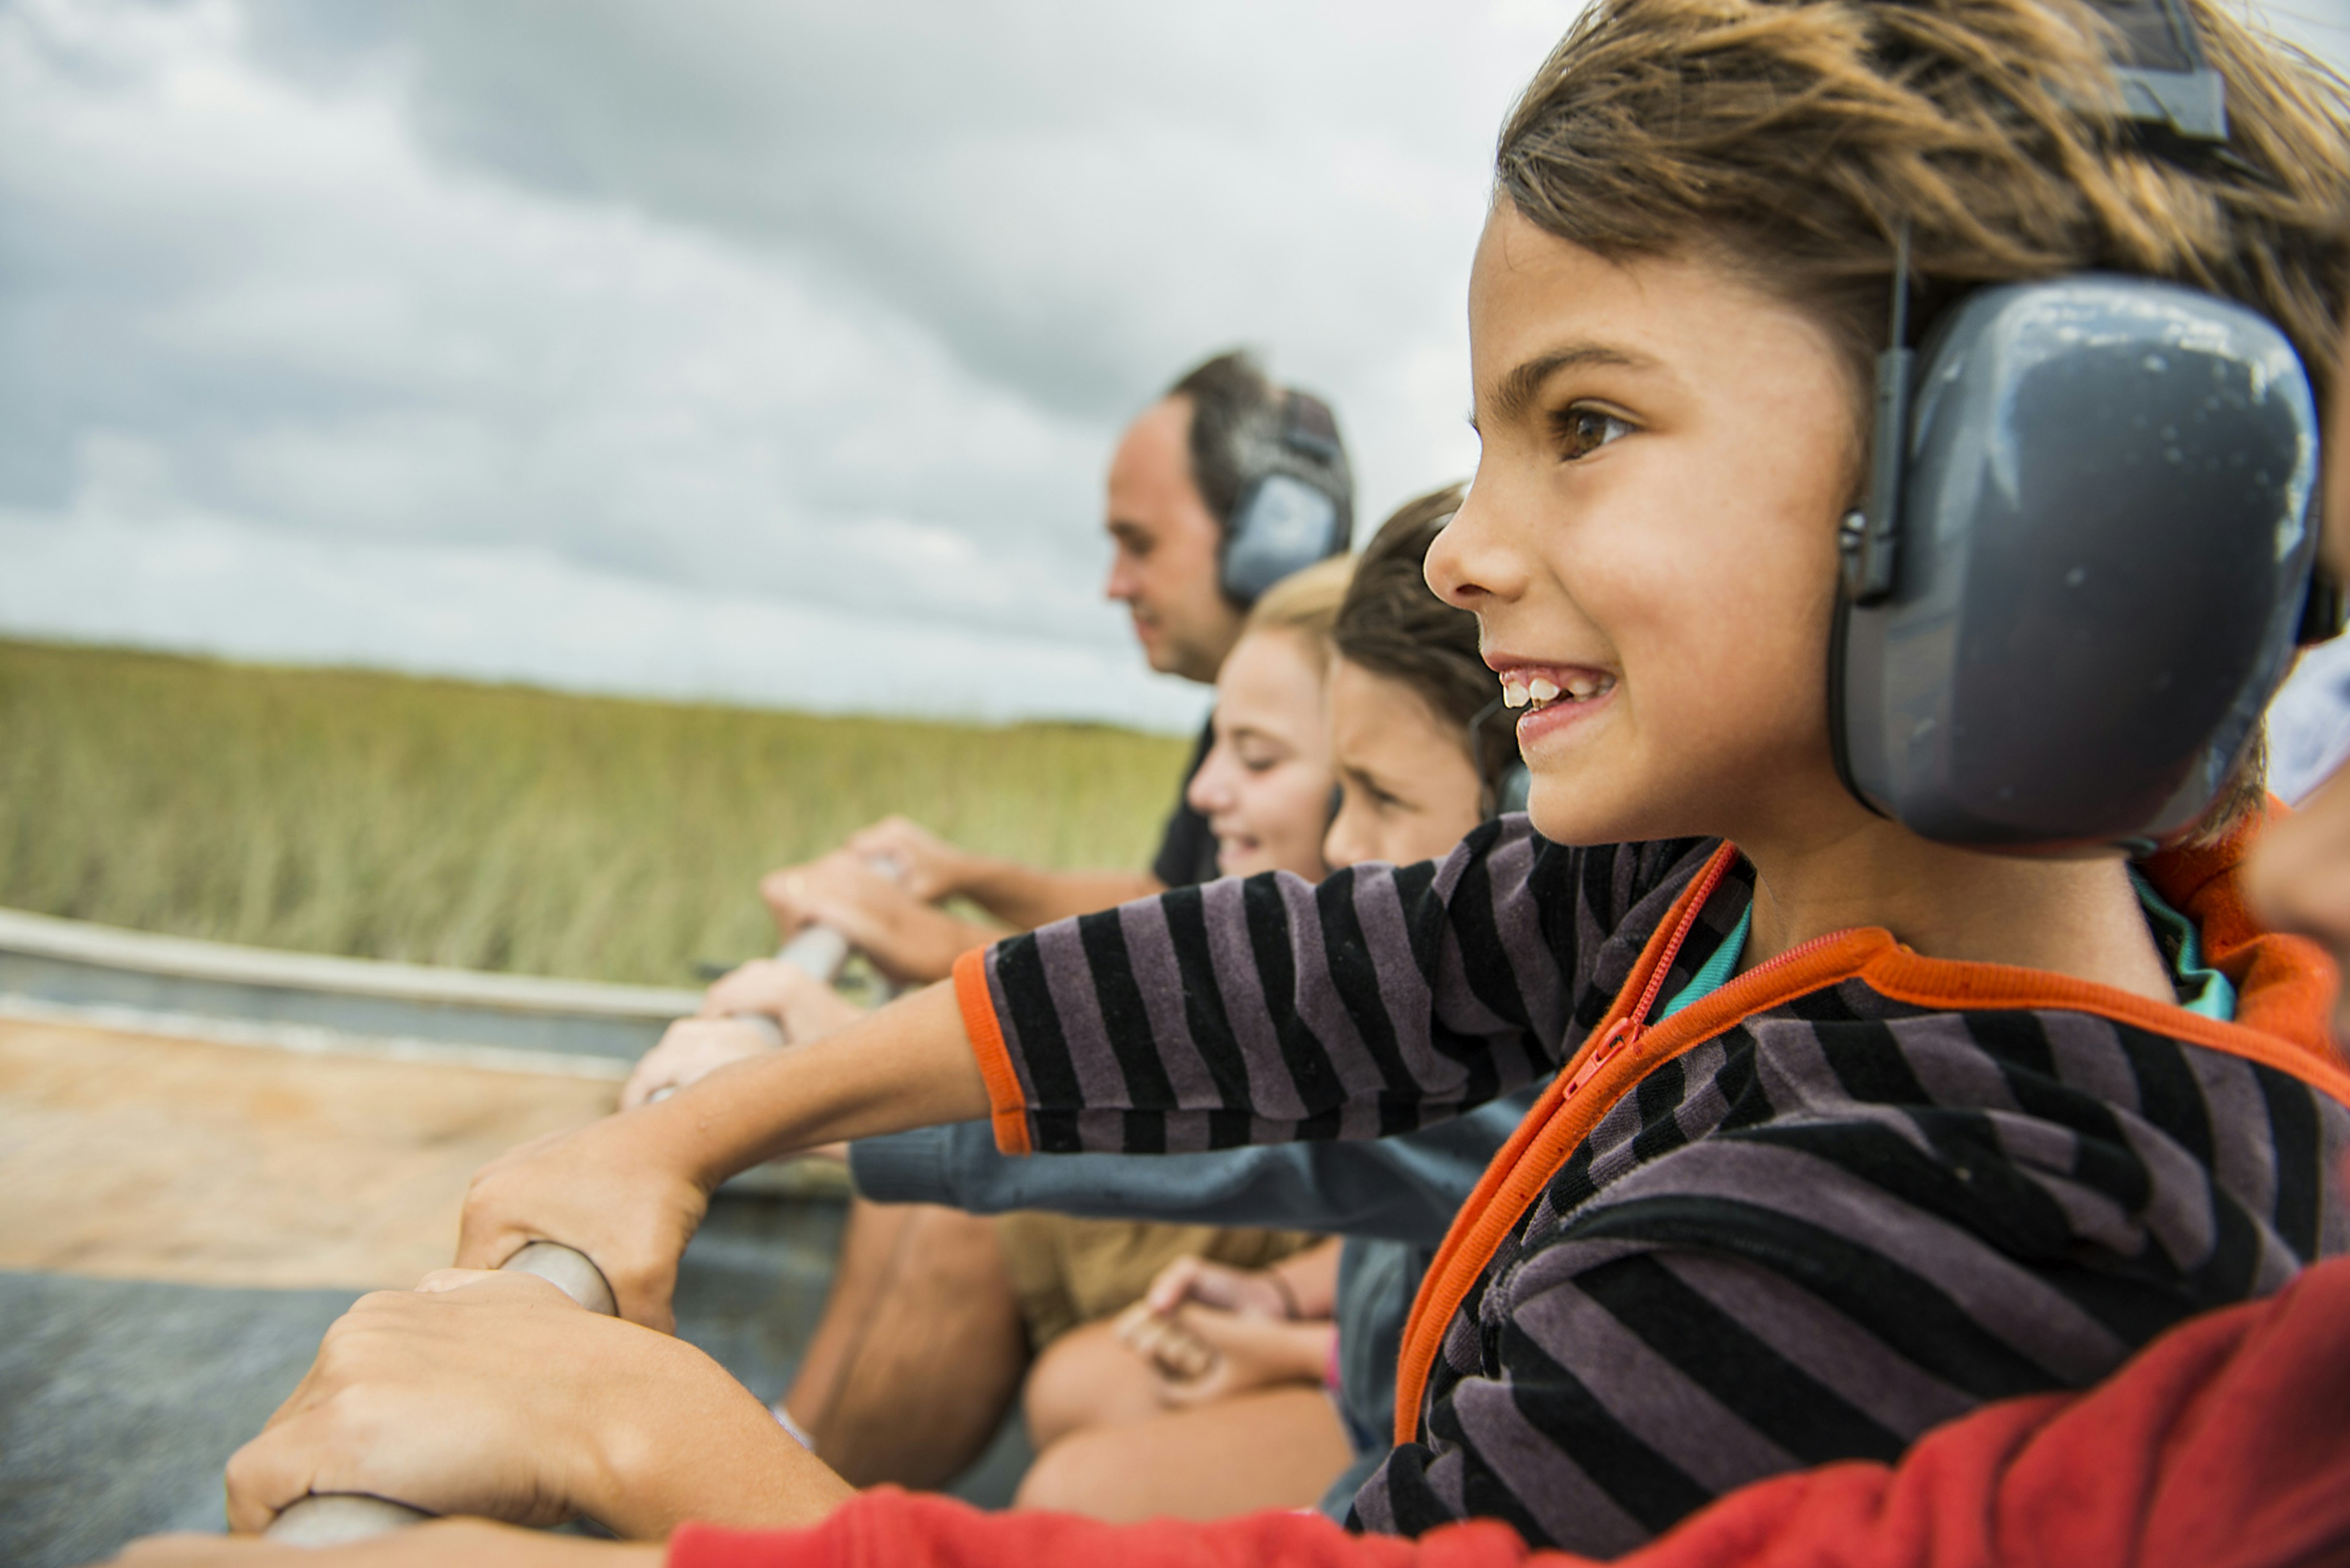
<point x="1715" y="973"/>
<point x="2201" y="990"/>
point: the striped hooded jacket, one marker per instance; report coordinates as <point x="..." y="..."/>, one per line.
<point x="1849" y="1196"/>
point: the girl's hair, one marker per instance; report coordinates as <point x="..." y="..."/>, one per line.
<point x="1792" y="140"/>
<point x="1304" y="602"/>
<point x="1394" y="626"/>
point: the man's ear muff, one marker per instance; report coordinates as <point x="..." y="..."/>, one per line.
<point x="1292" y="512"/>
<point x="2085" y="560"/>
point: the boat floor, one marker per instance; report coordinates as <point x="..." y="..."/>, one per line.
<point x="184" y="1219"/>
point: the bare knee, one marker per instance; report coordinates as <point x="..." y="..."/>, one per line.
<point x="1079" y="1474"/>
<point x="1084" y="1378"/>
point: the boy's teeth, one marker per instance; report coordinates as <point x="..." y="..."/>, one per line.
<point x="1519" y="688"/>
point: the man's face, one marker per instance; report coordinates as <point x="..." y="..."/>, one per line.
<point x="1166" y="541"/>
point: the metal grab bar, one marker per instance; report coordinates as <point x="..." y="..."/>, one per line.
<point x="818" y="952"/>
<point x="333" y="1518"/>
<point x="330" y="1518"/>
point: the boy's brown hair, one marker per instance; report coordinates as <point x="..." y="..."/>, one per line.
<point x="1791" y="140"/>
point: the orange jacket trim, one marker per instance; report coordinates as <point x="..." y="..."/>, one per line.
<point x="2286" y="988"/>
<point x="1007" y="1106"/>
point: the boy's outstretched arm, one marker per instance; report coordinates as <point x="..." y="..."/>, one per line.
<point x="629" y="1191"/>
<point x="2218" y="1443"/>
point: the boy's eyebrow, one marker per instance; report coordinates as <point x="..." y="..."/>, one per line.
<point x="1516" y="391"/>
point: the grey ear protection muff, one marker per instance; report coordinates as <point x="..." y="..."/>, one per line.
<point x="1289" y="514"/>
<point x="1510" y="790"/>
<point x="2087" y="552"/>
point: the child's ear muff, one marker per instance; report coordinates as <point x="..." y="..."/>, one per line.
<point x="1513" y="789"/>
<point x="1498" y="794"/>
<point x="2087" y="550"/>
<point x="2086" y="573"/>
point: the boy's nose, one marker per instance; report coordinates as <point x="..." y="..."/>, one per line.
<point x="1471" y="561"/>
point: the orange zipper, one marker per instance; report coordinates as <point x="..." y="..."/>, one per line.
<point x="2290" y="1038"/>
<point x="1625" y="1034"/>
<point x="1493" y="1207"/>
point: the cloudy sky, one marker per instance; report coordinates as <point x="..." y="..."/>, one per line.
<point x="763" y="350"/>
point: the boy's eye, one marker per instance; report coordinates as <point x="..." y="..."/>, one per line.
<point x="1583" y="431"/>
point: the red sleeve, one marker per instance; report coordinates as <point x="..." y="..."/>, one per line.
<point x="903" y="1529"/>
<point x="2221" y="1442"/>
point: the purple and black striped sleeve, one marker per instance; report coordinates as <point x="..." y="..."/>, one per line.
<point x="1267" y="1009"/>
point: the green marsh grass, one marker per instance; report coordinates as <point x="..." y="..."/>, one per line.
<point x="497" y="828"/>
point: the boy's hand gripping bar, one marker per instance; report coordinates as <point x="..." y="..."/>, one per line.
<point x="329" y="1518"/>
<point x="332" y="1518"/>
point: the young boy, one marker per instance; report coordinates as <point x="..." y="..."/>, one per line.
<point x="1856" y="1132"/>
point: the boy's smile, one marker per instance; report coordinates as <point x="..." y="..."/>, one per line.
<point x="1551" y="696"/>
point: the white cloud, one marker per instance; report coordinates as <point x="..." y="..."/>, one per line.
<point x="633" y="329"/>
<point x="732" y="304"/>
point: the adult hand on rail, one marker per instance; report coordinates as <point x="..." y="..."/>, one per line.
<point x="906" y="939"/>
<point x="629" y="1191"/>
<point x="928" y="867"/>
<point x="805" y="1007"/>
<point x="495" y="1395"/>
<point x="691" y="1049"/>
<point x="441" y="1544"/>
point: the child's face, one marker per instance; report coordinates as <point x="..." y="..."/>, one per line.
<point x="1650" y="543"/>
<point x="1264" y="785"/>
<point x="1412" y="792"/>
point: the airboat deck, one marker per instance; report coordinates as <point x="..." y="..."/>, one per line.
<point x="210" y="1151"/>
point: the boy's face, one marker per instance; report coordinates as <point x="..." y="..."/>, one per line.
<point x="1650" y="543"/>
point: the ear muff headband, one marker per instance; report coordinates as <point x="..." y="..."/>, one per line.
<point x="2087" y="550"/>
<point x="2095" y="572"/>
<point x="1291" y="512"/>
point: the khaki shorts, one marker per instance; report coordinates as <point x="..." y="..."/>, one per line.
<point x="1068" y="1271"/>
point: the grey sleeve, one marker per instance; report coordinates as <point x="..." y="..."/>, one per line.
<point x="1404" y="1188"/>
